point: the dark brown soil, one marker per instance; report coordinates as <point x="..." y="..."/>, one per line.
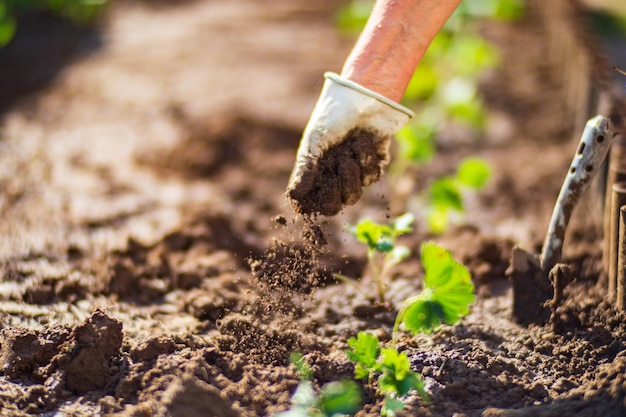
<point x="151" y="264"/>
<point x="337" y="178"/>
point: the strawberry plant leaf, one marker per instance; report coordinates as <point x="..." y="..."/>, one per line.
<point x="303" y="368"/>
<point x="398" y="254"/>
<point x="445" y="193"/>
<point x="340" y="398"/>
<point x="391" y="406"/>
<point x="384" y="245"/>
<point x="364" y="353"/>
<point x="397" y="377"/>
<point x="416" y="142"/>
<point x="423" y="314"/>
<point x="437" y="263"/>
<point x="448" y="291"/>
<point x="403" y="224"/>
<point x="374" y="235"/>
<point x="473" y="172"/>
<point x="450" y="281"/>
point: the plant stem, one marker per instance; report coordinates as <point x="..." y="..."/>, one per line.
<point x="353" y="283"/>
<point x="376" y="274"/>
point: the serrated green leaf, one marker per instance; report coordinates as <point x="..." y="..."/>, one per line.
<point x="391" y="406"/>
<point x="416" y="142"/>
<point x="397" y="376"/>
<point x="449" y="281"/>
<point x="370" y="232"/>
<point x="403" y="224"/>
<point x="361" y="372"/>
<point x="437" y="263"/>
<point x="303" y="368"/>
<point x="364" y="351"/>
<point x="340" y="398"/>
<point x="448" y="291"/>
<point x="473" y="172"/>
<point x="423" y="314"/>
<point x="444" y="193"/>
<point x="382" y="237"/>
<point x="398" y="254"/>
<point x="438" y="220"/>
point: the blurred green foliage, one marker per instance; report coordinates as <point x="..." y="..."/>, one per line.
<point x="79" y="11"/>
<point x="445" y="194"/>
<point x="442" y="91"/>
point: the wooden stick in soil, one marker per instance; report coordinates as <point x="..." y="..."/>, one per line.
<point x="621" y="261"/>
<point x="616" y="173"/>
<point x="618" y="199"/>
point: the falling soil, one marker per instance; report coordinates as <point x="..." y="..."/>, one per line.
<point x="151" y="265"/>
<point x="336" y="178"/>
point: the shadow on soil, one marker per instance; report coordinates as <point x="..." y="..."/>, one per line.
<point x="43" y="45"/>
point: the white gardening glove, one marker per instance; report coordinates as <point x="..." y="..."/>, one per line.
<point x="344" y="146"/>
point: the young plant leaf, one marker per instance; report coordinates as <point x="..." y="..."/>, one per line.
<point x="397" y="378"/>
<point x="473" y="172"/>
<point x="369" y="232"/>
<point x="449" y="280"/>
<point x="438" y="219"/>
<point x="444" y="193"/>
<point x="340" y="398"/>
<point x="364" y="353"/>
<point x="423" y="314"/>
<point x="398" y="254"/>
<point x="391" y="406"/>
<point x="303" y="368"/>
<point x="417" y="142"/>
<point x="403" y="224"/>
<point x="448" y="291"/>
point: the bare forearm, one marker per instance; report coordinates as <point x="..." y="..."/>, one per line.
<point x="393" y="43"/>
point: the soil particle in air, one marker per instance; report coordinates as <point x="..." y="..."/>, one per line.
<point x="337" y="177"/>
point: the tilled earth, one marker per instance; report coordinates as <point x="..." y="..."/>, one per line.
<point x="151" y="264"/>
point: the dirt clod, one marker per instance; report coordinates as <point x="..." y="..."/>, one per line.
<point x="91" y="356"/>
<point x="337" y="177"/>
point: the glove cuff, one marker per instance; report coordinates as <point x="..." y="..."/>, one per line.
<point x="336" y="78"/>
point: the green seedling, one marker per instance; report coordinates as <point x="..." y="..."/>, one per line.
<point x="387" y="368"/>
<point x="382" y="251"/>
<point x="445" y="195"/>
<point x="338" y="398"/>
<point x="448" y="291"/>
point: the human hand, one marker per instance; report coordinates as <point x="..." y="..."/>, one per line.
<point x="344" y="147"/>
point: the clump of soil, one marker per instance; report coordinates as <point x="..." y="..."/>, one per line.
<point x="337" y="177"/>
<point x="58" y="361"/>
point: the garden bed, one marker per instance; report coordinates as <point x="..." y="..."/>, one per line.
<point x="142" y="184"/>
